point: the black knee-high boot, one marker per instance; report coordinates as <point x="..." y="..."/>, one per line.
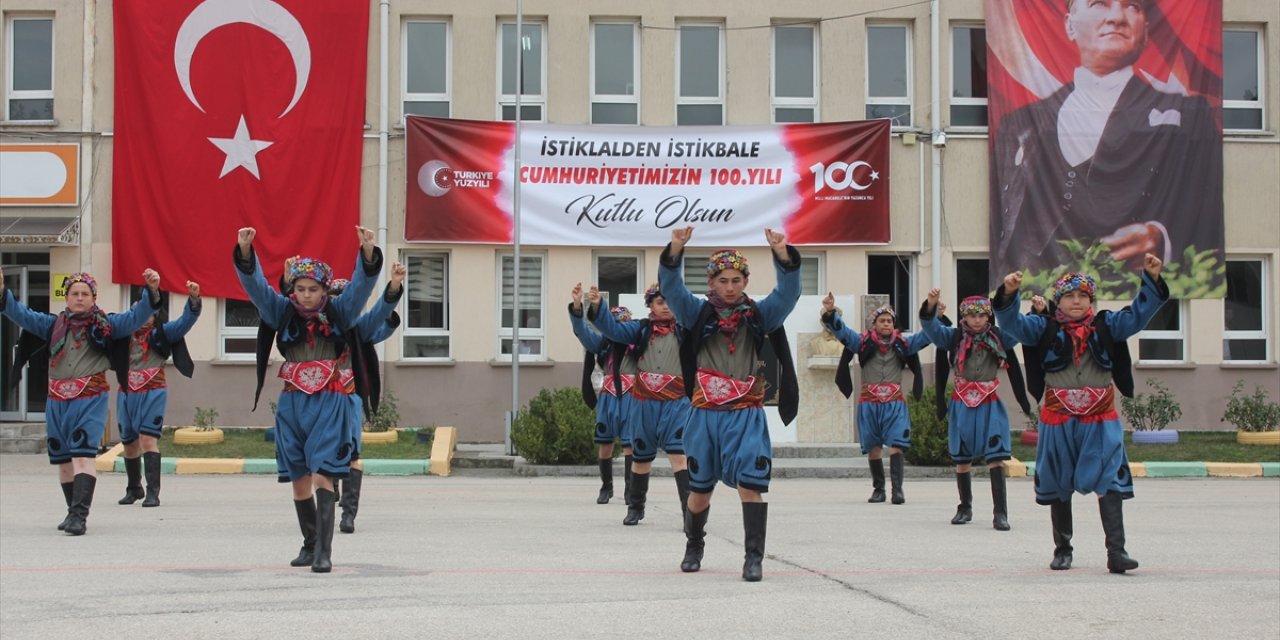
<point x="755" y="516"/>
<point x="695" y="533"/>
<point x="67" y="488"/>
<point x="350" y="501"/>
<point x="895" y="476"/>
<point x="626" y="480"/>
<point x="152" y="466"/>
<point x="964" y="512"/>
<point x="682" y="489"/>
<point x="606" y="481"/>
<point x="306" y="510"/>
<point x="1060" y="516"/>
<point x="1000" y="499"/>
<point x="325" y="501"/>
<point x="133" y="489"/>
<point x="81" y="499"/>
<point x="639" y="492"/>
<point x="877" y="480"/>
<point x="1112" y="510"/>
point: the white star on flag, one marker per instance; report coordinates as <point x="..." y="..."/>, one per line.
<point x="241" y="150"/>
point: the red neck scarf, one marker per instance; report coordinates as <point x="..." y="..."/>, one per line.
<point x="660" y="327"/>
<point x="730" y="316"/>
<point x="983" y="339"/>
<point x="76" y="327"/>
<point x="1079" y="331"/>
<point x="882" y="343"/>
<point x="317" y="321"/>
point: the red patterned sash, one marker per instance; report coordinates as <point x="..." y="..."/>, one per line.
<point x="142" y="380"/>
<point x="722" y="393"/>
<point x="658" y="386"/>
<point x="882" y="393"/>
<point x="973" y="393"/>
<point x="313" y="376"/>
<point x="1087" y="404"/>
<point x="626" y="379"/>
<point x="73" y="388"/>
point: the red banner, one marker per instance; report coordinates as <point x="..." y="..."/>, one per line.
<point x="629" y="186"/>
<point x="1106" y="142"/>
<point x="234" y="113"/>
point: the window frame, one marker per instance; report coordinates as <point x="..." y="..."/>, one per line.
<point x="910" y="79"/>
<point x="1164" y="335"/>
<point x="960" y="101"/>
<point x="776" y="102"/>
<point x="820" y="269"/>
<point x="1261" y="59"/>
<point x="720" y="98"/>
<point x="407" y="331"/>
<point x="598" y="98"/>
<point x="405" y="95"/>
<point x="11" y="94"/>
<point x="538" y="333"/>
<point x="904" y="311"/>
<point x="968" y="257"/>
<point x="698" y="263"/>
<point x="1263" y="333"/>
<point x="234" y="333"/>
<point x="638" y="256"/>
<point x="526" y="100"/>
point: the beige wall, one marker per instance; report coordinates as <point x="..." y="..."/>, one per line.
<point x="471" y="391"/>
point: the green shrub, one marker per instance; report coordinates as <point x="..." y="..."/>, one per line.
<point x="556" y="427"/>
<point x="386" y="417"/>
<point x="929" y="446"/>
<point x="1251" y="413"/>
<point x="204" y="418"/>
<point x="1151" y="411"/>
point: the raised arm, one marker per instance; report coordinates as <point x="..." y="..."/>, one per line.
<point x="1152" y="294"/>
<point x="270" y="305"/>
<point x="35" y="322"/>
<point x="775" y="308"/>
<point x="125" y="323"/>
<point x="1024" y="328"/>
<point x="599" y="315"/>
<point x="371" y="321"/>
<point x="684" y="305"/>
<point x="175" y="329"/>
<point x="368" y="264"/>
<point x="835" y="324"/>
<point x="941" y="336"/>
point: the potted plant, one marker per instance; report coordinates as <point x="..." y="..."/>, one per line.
<point x="1150" y="413"/>
<point x="380" y="428"/>
<point x="202" y="430"/>
<point x="1257" y="420"/>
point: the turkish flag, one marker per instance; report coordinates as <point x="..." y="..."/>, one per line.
<point x="236" y="113"/>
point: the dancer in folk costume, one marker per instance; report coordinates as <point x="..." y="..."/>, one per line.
<point x="613" y="404"/>
<point x="78" y="339"/>
<point x="882" y="355"/>
<point x="314" y="333"/>
<point x="659" y="404"/>
<point x="727" y="438"/>
<point x="978" y="425"/>
<point x="139" y="361"/>
<point x="1081" y="360"/>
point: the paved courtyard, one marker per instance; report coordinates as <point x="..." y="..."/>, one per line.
<point x="510" y="557"/>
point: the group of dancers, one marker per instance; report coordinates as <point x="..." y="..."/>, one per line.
<point x="687" y="379"/>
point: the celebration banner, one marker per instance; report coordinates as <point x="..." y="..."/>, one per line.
<point x="1106" y="141"/>
<point x="630" y="186"/>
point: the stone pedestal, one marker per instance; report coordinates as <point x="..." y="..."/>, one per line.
<point x="824" y="415"/>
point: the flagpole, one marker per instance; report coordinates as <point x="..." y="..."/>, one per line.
<point x="515" y="237"/>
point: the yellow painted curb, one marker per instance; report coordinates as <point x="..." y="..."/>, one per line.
<point x="1265" y="438"/>
<point x="192" y="435"/>
<point x="1138" y="469"/>
<point x="107" y="461"/>
<point x="443" y="443"/>
<point x="1014" y="468"/>
<point x="1233" y="469"/>
<point x="379" y="437"/>
<point x="208" y="465"/>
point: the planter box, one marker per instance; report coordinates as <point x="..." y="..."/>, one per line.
<point x="1258" y="437"/>
<point x="380" y="437"/>
<point x="1029" y="438"/>
<point x="192" y="435"/>
<point x="1167" y="436"/>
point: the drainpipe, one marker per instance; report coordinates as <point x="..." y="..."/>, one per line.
<point x="86" y="124"/>
<point x="938" y="140"/>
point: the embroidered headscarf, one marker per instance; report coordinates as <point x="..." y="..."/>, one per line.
<point x="80" y="276"/>
<point x="727" y="259"/>
<point x="313" y="269"/>
<point x="621" y="314"/>
<point x="975" y="305"/>
<point x="652" y="292"/>
<point x="338" y="285"/>
<point x="1073" y="282"/>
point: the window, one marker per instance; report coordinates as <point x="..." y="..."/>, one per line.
<point x="615" y="73"/>
<point x="695" y="274"/>
<point x="425" y="68"/>
<point x="973" y="278"/>
<point x="531" y="79"/>
<point x="968" y="76"/>
<point x="617" y="273"/>
<point x="532" y="322"/>
<point x="238" y="330"/>
<point x="700" y="75"/>
<point x="891" y="275"/>
<point x="812" y="275"/>
<point x="889" y="76"/>
<point x="29" y="90"/>
<point x="1164" y="339"/>
<point x="795" y="73"/>
<point x="1242" y="79"/>
<point x="426" y="307"/>
<point x="1245" y="312"/>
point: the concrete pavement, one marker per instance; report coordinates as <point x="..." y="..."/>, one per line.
<point x="506" y="557"/>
